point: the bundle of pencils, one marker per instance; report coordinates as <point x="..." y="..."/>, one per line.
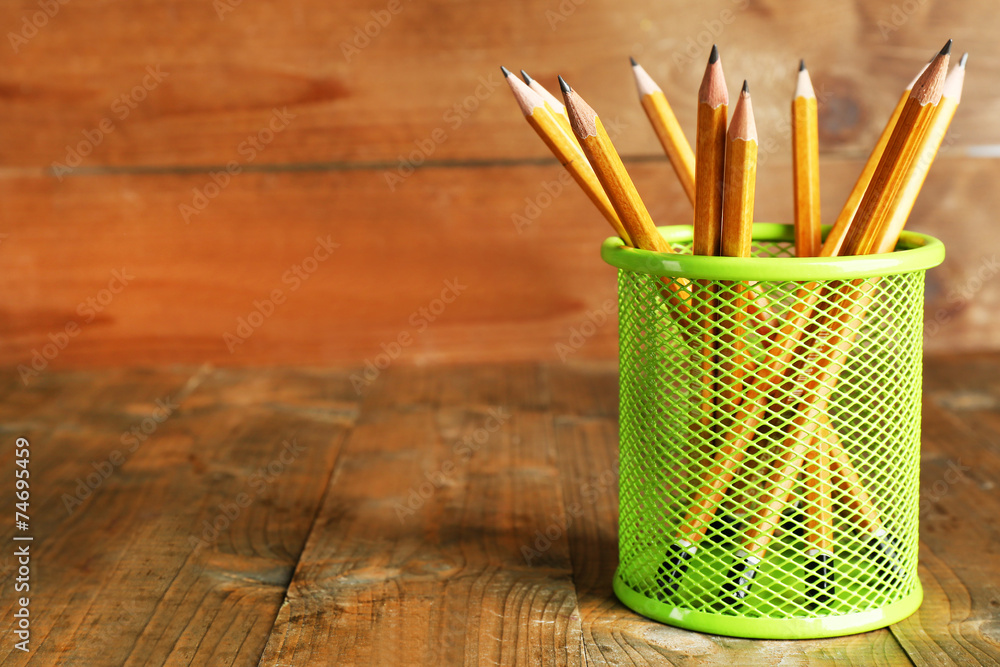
<point x="718" y="176"/>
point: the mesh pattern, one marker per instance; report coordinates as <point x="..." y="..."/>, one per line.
<point x="763" y="474"/>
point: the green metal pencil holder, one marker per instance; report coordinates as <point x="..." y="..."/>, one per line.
<point x="770" y="436"/>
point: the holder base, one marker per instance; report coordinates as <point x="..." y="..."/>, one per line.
<point x="768" y="628"/>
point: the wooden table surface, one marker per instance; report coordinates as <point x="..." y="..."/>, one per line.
<point x="446" y="516"/>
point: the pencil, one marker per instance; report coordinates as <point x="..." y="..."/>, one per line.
<point x="850" y="483"/>
<point x="885" y="240"/>
<point x="710" y="140"/>
<point x="845" y="315"/>
<point x="555" y="105"/>
<point x="740" y="179"/>
<point x="737" y="229"/>
<point x="913" y="180"/>
<point x="914" y="120"/>
<point x="835" y="237"/>
<point x="565" y="147"/>
<point x="808" y="243"/>
<point x="812" y="410"/>
<point x="739" y="185"/>
<point x="607" y="164"/>
<point x="667" y="129"/>
<point x="805" y="172"/>
<point x="819" y="514"/>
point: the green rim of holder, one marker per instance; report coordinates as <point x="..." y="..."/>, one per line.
<point x="922" y="252"/>
<point x="778" y="508"/>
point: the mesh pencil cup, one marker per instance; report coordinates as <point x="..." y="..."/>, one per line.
<point x="770" y="436"/>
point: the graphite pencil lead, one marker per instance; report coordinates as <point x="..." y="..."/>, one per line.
<point x="961" y="62"/>
<point x="632" y="60"/>
<point x="643" y="82"/>
<point x="506" y="72"/>
<point x="952" y="87"/>
<point x="713" y="84"/>
<point x="714" y="56"/>
<point x="742" y="124"/>
<point x="927" y="89"/>
<point x="527" y="79"/>
<point x="802" y="65"/>
<point x="564" y="86"/>
<point x="526" y="98"/>
<point x="947" y="49"/>
<point x="746" y="87"/>
<point x="803" y="86"/>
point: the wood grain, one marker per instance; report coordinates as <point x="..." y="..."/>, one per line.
<point x="193" y="282"/>
<point x="128" y="572"/>
<point x="441" y="541"/>
<point x="957" y="623"/>
<point x="228" y="70"/>
<point x="323" y="554"/>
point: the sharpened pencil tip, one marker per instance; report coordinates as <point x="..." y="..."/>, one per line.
<point x="527" y="79"/>
<point x="802" y="65"/>
<point x="961" y="63"/>
<point x="632" y="60"/>
<point x="564" y="86"/>
<point x="947" y="49"/>
<point x="714" y="56"/>
<point x="746" y="87"/>
<point x="506" y="72"/>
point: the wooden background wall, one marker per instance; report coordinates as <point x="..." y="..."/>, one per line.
<point x="151" y="101"/>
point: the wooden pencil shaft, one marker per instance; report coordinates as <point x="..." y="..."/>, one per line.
<point x="850" y="485"/>
<point x="805" y="176"/>
<point x="561" y="118"/>
<point x="672" y="138"/>
<point x="738" y="203"/>
<point x="739" y="182"/>
<point x="876" y="204"/>
<point x="913" y="180"/>
<point x="835" y="237"/>
<point x="914" y="120"/>
<point x="719" y="475"/>
<point x="567" y="150"/>
<point x="621" y="191"/>
<point x="564" y="146"/>
<point x="710" y="178"/>
<point x="810" y="413"/>
<point x="819" y="492"/>
<point x="872" y="231"/>
<point x="709" y="181"/>
<point x="737" y="229"/>
<point x="844" y="320"/>
<point x="607" y="164"/>
<point x="749" y="415"/>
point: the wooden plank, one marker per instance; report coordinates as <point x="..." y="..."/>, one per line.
<point x="183" y="552"/>
<point x="418" y="555"/>
<point x="957" y="623"/>
<point x="613" y="634"/>
<point x="227" y="70"/>
<point x="522" y="296"/>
